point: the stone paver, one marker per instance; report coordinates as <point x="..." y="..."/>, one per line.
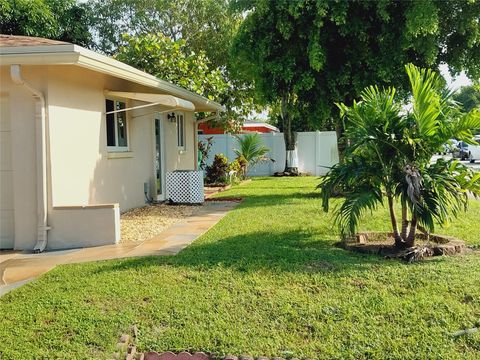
<point x="18" y="268"/>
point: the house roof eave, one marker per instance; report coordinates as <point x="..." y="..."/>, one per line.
<point x="69" y="54"/>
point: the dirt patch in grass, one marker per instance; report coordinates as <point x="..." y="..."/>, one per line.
<point x="143" y="223"/>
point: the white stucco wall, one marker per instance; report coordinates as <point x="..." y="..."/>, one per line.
<point x="81" y="170"/>
<point x="22" y="114"/>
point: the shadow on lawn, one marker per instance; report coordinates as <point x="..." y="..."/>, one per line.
<point x="254" y="200"/>
<point x="289" y="251"/>
<point x="295" y="252"/>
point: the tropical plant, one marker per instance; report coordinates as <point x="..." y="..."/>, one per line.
<point x="252" y="149"/>
<point x="234" y="171"/>
<point x="203" y="150"/>
<point x="389" y="157"/>
<point x="243" y="165"/>
<point x="216" y="173"/>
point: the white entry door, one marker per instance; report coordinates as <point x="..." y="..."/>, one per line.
<point x="7" y="225"/>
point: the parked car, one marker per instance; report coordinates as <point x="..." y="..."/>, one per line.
<point x="449" y="147"/>
<point x="467" y="152"/>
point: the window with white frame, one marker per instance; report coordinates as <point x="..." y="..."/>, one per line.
<point x="180" y="131"/>
<point x="117" y="132"/>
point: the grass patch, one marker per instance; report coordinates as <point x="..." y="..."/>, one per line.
<point x="265" y="281"/>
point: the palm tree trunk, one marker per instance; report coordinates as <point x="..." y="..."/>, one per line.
<point x="410" y="241"/>
<point x="404" y="220"/>
<point x="341" y="145"/>
<point x="393" y="219"/>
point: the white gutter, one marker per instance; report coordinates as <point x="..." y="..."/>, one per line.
<point x="77" y="55"/>
<point x="41" y="163"/>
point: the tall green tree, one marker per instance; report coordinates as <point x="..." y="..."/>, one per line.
<point x="468" y="97"/>
<point x="171" y="60"/>
<point x="204" y="25"/>
<point x="203" y="28"/>
<point x="64" y="20"/>
<point x="167" y="59"/>
<point x="324" y="51"/>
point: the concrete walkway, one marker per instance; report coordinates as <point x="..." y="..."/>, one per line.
<point x="18" y="268"/>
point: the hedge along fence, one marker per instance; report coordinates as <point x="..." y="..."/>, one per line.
<point x="317" y="151"/>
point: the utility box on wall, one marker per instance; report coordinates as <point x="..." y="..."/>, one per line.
<point x="185" y="186"/>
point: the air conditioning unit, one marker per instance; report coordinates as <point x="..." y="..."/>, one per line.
<point x="185" y="187"/>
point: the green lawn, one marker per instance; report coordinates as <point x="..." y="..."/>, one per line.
<point x="265" y="281"/>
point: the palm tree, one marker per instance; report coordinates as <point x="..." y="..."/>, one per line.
<point x="389" y="157"/>
<point x="252" y="149"/>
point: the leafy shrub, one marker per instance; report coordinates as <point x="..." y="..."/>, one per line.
<point x="234" y="166"/>
<point x="217" y="172"/>
<point x="237" y="171"/>
<point x="203" y="150"/>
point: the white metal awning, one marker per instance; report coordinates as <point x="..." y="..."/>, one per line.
<point x="170" y="101"/>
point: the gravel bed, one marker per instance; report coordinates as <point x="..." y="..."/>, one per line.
<point x="143" y="223"/>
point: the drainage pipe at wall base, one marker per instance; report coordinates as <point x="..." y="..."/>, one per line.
<point x="41" y="154"/>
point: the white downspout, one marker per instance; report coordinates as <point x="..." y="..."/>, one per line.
<point x="41" y="157"/>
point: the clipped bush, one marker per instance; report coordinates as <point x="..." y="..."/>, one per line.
<point x="217" y="172"/>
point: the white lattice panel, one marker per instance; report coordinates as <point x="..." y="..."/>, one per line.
<point x="185" y="186"/>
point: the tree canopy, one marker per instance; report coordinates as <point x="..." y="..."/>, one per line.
<point x="185" y="41"/>
<point x="469" y="97"/>
<point x="55" y="19"/>
<point x="204" y="25"/>
<point x="171" y="60"/>
<point x="324" y="52"/>
<point x="167" y="59"/>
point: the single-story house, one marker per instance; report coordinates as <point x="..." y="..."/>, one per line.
<point x="205" y="128"/>
<point x="83" y="138"/>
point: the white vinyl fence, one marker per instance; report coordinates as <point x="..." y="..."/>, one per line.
<point x="317" y="151"/>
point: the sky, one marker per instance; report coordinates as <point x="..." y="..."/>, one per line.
<point x="459" y="81"/>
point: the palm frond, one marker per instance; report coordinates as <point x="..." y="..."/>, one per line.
<point x="425" y="85"/>
<point x="252" y="148"/>
<point x="355" y="204"/>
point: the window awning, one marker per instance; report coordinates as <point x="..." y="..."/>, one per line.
<point x="170" y="101"/>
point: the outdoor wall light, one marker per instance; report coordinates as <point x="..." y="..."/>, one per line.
<point x="171" y="117"/>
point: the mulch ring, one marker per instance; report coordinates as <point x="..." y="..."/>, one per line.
<point x="382" y="243"/>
